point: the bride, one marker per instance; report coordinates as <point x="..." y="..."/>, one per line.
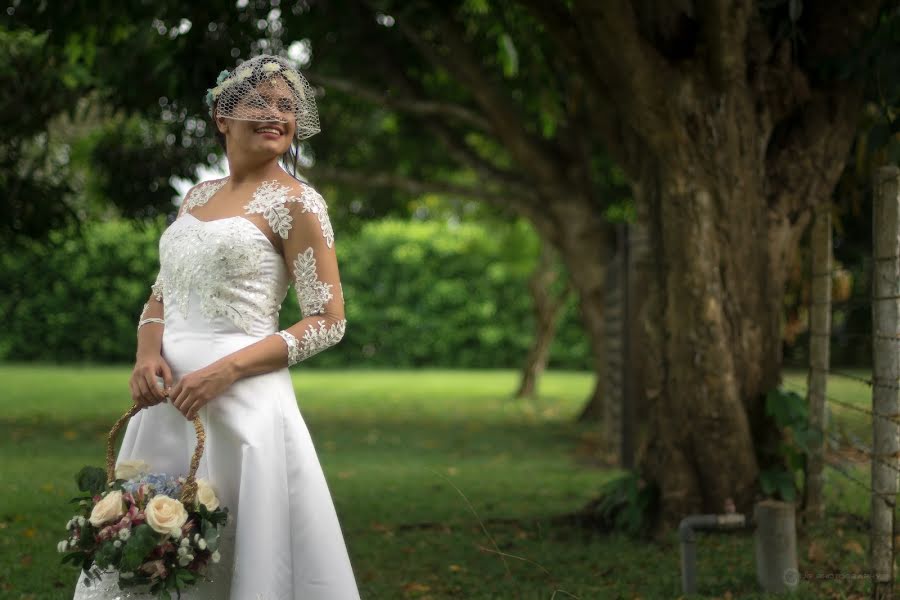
<point x="210" y="331"/>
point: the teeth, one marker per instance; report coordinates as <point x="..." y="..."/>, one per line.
<point x="268" y="130"/>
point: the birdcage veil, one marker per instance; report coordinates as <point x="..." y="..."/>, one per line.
<point x="252" y="92"/>
<point x="267" y="88"/>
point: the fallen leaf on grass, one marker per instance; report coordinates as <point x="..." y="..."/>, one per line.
<point x="413" y="586"/>
<point x="816" y="552"/>
<point x="854" y="546"/>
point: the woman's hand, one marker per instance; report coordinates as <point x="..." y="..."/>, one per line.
<point x="195" y="389"/>
<point x="144" y="389"/>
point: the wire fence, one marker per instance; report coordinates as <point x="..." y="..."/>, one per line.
<point x="881" y="405"/>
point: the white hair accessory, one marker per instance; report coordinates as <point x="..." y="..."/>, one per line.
<point x="265" y="88"/>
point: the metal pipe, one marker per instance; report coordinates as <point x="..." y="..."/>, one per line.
<point x="686" y="535"/>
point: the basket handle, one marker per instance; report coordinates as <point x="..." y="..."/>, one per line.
<point x="189" y="489"/>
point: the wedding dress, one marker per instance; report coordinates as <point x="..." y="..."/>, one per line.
<point x="221" y="283"/>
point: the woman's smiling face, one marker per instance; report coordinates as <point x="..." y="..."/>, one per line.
<point x="271" y="119"/>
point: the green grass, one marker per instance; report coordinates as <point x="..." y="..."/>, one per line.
<point x="405" y="452"/>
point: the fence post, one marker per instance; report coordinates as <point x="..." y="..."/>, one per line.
<point x="885" y="375"/>
<point x="819" y="339"/>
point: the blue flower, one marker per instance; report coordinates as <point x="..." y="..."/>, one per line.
<point x="222" y="76"/>
<point x="160" y="483"/>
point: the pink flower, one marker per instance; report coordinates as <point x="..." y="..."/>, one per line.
<point x="154" y="568"/>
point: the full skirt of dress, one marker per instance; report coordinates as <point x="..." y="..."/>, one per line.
<point x="283" y="540"/>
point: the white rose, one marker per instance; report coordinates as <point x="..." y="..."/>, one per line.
<point x="206" y="495"/>
<point x="216" y="556"/>
<point x="108" y="509"/>
<point x="80" y="521"/>
<point x="202" y="544"/>
<point x="117" y="543"/>
<point x="165" y="515"/>
<point x="124" y="534"/>
<point x="62" y="546"/>
<point x="131" y="469"/>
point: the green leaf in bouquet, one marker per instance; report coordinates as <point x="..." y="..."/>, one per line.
<point x="107" y="555"/>
<point x="91" y="479"/>
<point x="210" y="532"/>
<point x="86" y="538"/>
<point x="184" y="577"/>
<point x="73" y="557"/>
<point x="143" y="539"/>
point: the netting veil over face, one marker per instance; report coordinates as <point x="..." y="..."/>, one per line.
<point x="265" y="88"/>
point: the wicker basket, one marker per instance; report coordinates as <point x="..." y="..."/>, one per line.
<point x="189" y="489"/>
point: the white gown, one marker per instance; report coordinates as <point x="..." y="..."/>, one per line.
<point x="222" y="283"/>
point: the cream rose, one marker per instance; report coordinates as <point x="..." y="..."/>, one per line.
<point x="165" y="515"/>
<point x="110" y="508"/>
<point x="206" y="495"/>
<point x="131" y="469"/>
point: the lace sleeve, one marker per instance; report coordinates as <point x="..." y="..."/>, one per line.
<point x="309" y="254"/>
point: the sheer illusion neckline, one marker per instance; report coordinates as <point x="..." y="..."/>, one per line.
<point x="240" y="218"/>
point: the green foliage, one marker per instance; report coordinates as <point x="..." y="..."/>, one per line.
<point x="143" y="539"/>
<point x="92" y="480"/>
<point x="791" y="414"/>
<point x="416" y="293"/>
<point x="627" y="503"/>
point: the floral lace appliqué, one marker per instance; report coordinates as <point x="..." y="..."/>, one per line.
<point x="157" y="287"/>
<point x="312" y="294"/>
<point x="314" y="340"/>
<point x="269" y="200"/>
<point x="201" y="194"/>
<point x="313" y="202"/>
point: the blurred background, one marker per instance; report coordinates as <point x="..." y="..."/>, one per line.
<point x="576" y="246"/>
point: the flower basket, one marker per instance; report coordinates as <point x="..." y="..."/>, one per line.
<point x="157" y="531"/>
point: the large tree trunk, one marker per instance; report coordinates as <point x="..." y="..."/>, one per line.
<point x="585" y="243"/>
<point x="711" y="326"/>
<point x="714" y="326"/>
<point x="547" y="308"/>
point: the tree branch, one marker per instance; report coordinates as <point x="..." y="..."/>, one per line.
<point x="457" y="147"/>
<point x="418" y="106"/>
<point x="462" y="63"/>
<point x="406" y="184"/>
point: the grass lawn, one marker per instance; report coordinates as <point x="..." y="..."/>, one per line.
<point x="411" y="458"/>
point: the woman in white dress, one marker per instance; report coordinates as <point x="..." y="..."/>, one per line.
<point x="210" y="331"/>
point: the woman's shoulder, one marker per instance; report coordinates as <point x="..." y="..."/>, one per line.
<point x="296" y="196"/>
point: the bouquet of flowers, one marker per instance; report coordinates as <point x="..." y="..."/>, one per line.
<point x="154" y="529"/>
